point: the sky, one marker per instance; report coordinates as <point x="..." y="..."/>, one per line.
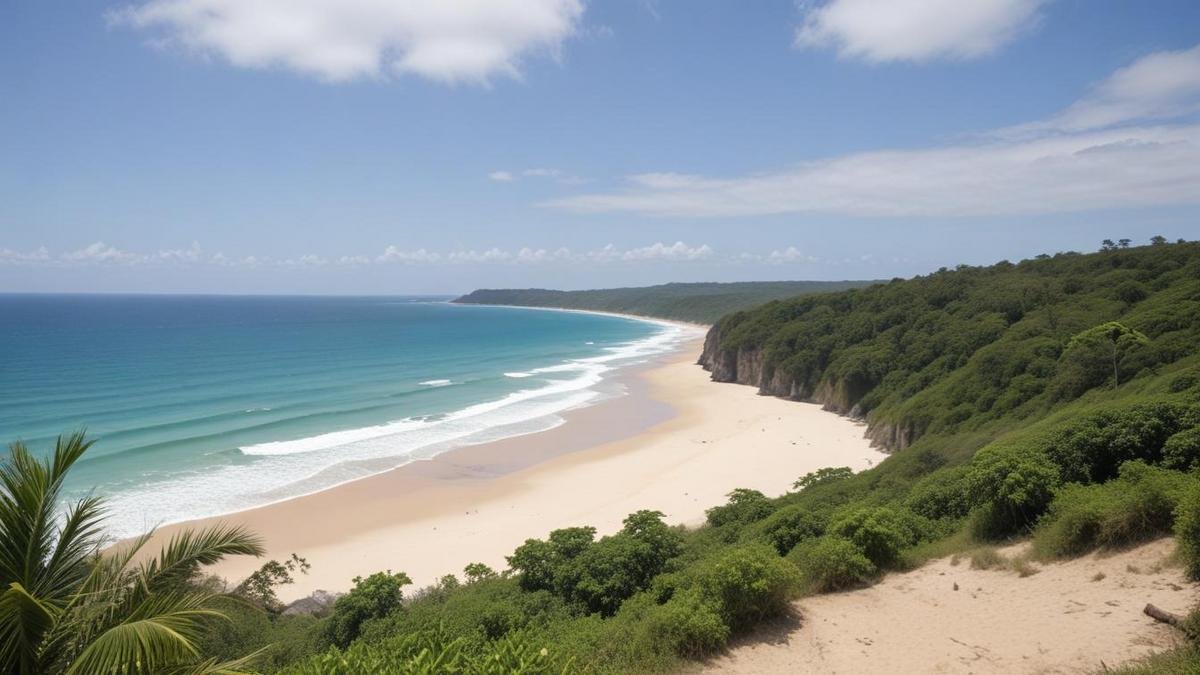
<point x="396" y="147"/>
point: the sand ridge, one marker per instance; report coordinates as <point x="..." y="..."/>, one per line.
<point x="1077" y="616"/>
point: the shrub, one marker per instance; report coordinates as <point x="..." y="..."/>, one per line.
<point x="792" y="524"/>
<point x="689" y="624"/>
<point x="1138" y="505"/>
<point x="1011" y="488"/>
<point x="1182" y="451"/>
<point x="371" y="598"/>
<point x="831" y="564"/>
<point x="1187" y="529"/>
<point x="880" y="533"/>
<point x="744" y="506"/>
<point x="942" y="494"/>
<point x="827" y="474"/>
<point x="748" y="583"/>
<point x="539" y="563"/>
<point x="1090" y="450"/>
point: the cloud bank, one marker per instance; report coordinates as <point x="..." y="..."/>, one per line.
<point x="1111" y="149"/>
<point x="341" y="40"/>
<point x="915" y="30"/>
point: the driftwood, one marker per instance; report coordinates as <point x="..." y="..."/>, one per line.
<point x="1163" y="615"/>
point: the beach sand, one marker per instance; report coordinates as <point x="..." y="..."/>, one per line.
<point x="1077" y="616"/>
<point x="677" y="442"/>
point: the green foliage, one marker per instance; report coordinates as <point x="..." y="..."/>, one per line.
<point x="689" y="624"/>
<point x="434" y="653"/>
<point x="371" y="598"/>
<point x="66" y="609"/>
<point x="698" y="302"/>
<point x="958" y="350"/>
<point x="260" y="586"/>
<point x="747" y="584"/>
<point x="1187" y="528"/>
<point x="1091" y="448"/>
<point x="791" y="525"/>
<point x="832" y="564"/>
<point x="1137" y="506"/>
<point x="744" y="506"/>
<point x="881" y="533"/>
<point x="476" y="572"/>
<point x="1011" y="487"/>
<point x="824" y="475"/>
<point x="1182" y="450"/>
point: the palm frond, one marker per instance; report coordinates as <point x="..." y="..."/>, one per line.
<point x="187" y="551"/>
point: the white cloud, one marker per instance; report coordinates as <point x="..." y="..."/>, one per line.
<point x="502" y="176"/>
<point x="99" y="252"/>
<point x="657" y="251"/>
<point x="915" y="30"/>
<point x="340" y="40"/>
<point x="38" y="255"/>
<point x="1076" y="161"/>
<point x="790" y="254"/>
<point x="1157" y="86"/>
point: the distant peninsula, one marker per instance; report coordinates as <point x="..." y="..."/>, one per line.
<point x="694" y="302"/>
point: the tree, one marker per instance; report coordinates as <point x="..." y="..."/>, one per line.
<point x="1108" y="245"/>
<point x="478" y="571"/>
<point x="67" y="607"/>
<point x="1124" y="242"/>
<point x="1114" y="338"/>
<point x="823" y="475"/>
<point x="1158" y="240"/>
<point x="371" y="598"/>
<point x="260" y="586"/>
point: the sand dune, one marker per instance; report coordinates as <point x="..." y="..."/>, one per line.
<point x="1071" y="617"/>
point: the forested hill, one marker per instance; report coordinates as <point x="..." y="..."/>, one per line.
<point x="957" y="349"/>
<point x="698" y="302"/>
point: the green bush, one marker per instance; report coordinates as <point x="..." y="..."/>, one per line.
<point x="1090" y="450"/>
<point x="689" y="624"/>
<point x="1137" y="506"/>
<point x="831" y="564"/>
<point x="1010" y="487"/>
<point x="748" y="583"/>
<point x="1187" y="528"/>
<point x="371" y="598"/>
<point x="792" y="524"/>
<point x="744" y="506"/>
<point x="942" y="494"/>
<point x="880" y="533"/>
<point x="1182" y="451"/>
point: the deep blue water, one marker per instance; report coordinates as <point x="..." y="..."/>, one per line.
<point x="203" y="405"/>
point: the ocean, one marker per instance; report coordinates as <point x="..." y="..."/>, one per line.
<point x="204" y="405"/>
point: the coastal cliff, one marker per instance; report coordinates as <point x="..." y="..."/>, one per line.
<point x="748" y="365"/>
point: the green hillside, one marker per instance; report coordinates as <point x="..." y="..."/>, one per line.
<point x="698" y="302"/>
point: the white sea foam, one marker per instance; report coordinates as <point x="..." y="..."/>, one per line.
<point x="435" y="383"/>
<point x="285" y="469"/>
<point x="518" y="375"/>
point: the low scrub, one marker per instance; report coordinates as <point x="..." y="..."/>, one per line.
<point x="832" y="564"/>
<point x="1139" y="505"/>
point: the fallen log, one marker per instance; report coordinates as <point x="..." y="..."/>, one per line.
<point x="1163" y="615"/>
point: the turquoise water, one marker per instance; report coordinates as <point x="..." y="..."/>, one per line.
<point x="206" y="405"/>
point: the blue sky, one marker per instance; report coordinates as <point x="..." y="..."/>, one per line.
<point x="383" y="146"/>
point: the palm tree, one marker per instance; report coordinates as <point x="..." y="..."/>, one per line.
<point x="67" y="607"/>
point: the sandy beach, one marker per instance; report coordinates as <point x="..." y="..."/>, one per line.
<point x="676" y="442"/>
<point x="1076" y="616"/>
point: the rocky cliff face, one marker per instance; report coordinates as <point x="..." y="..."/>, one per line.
<point x="748" y="366"/>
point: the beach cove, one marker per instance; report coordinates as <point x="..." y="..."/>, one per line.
<point x="677" y="442"/>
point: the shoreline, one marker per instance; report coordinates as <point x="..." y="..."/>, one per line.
<point x="675" y="442"/>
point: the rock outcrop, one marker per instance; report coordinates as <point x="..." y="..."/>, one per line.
<point x="748" y="366"/>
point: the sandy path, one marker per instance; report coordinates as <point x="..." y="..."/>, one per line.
<point x="1058" y="620"/>
<point x="478" y="504"/>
